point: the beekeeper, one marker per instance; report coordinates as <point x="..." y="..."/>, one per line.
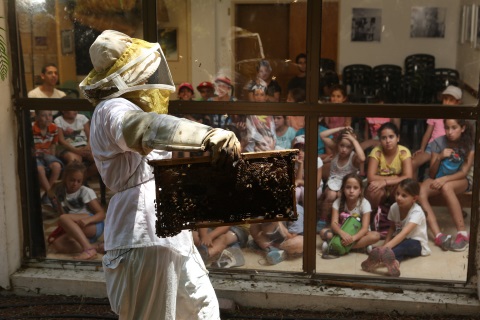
<point x="147" y="277"/>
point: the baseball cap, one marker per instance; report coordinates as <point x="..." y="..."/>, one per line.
<point x="225" y="80"/>
<point x="205" y="84"/>
<point x="298" y="140"/>
<point x="453" y="91"/>
<point x="185" y="85"/>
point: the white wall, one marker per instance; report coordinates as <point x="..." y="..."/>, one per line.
<point x="395" y="43"/>
<point x="468" y="63"/>
<point x="10" y="231"/>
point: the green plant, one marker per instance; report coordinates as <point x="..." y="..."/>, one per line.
<point x="4" y="62"/>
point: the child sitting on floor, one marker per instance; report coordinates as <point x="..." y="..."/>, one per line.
<point x="81" y="215"/>
<point x="407" y="236"/>
<point x="350" y="203"/>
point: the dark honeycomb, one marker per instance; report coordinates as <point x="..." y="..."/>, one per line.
<point x="190" y="193"/>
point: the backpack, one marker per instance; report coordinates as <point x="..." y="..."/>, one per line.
<point x="351" y="226"/>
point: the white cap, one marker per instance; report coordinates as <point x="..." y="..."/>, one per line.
<point x="298" y="140"/>
<point x="453" y="91"/>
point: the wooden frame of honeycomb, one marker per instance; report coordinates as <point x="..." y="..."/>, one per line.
<point x="191" y="194"/>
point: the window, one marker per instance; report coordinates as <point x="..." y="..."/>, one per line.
<point x="259" y="60"/>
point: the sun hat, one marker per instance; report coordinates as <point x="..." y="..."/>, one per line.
<point x="453" y="91"/>
<point x="205" y="84"/>
<point x="185" y="85"/>
<point x="123" y="64"/>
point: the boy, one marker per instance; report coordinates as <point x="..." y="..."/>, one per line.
<point x="45" y="137"/>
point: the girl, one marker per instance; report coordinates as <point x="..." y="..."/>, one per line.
<point x="388" y="164"/>
<point x="273" y="89"/>
<point x="338" y="94"/>
<point x="283" y="132"/>
<point x="81" y="215"/>
<point x="350" y="203"/>
<point x="450" y="163"/>
<point x="407" y="236"/>
<point x="344" y="161"/>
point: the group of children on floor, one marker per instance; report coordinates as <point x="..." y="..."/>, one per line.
<point x="390" y="191"/>
<point x="64" y="161"/>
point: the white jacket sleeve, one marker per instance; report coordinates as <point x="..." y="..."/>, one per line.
<point x="145" y="131"/>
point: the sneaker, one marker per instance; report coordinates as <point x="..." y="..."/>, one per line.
<point x="460" y="243"/>
<point x="392" y="264"/>
<point x="276" y="256"/>
<point x="372" y="261"/>
<point x="325" y="247"/>
<point x="229" y="258"/>
<point x="443" y="241"/>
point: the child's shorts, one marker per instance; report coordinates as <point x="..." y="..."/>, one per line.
<point x="100" y="226"/>
<point x="45" y="160"/>
<point x="242" y="235"/>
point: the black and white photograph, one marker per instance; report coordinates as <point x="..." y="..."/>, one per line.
<point x="427" y="22"/>
<point x="366" y="24"/>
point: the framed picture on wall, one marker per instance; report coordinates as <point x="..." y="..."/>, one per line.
<point x="67" y="41"/>
<point x="167" y="37"/>
<point x="366" y="24"/>
<point x="427" y="22"/>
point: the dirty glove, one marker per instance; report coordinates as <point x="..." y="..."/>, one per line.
<point x="224" y="146"/>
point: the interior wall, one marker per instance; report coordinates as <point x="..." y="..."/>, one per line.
<point x="468" y="58"/>
<point x="10" y="213"/>
<point x="395" y="43"/>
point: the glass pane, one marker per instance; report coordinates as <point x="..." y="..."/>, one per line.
<point x="396" y="53"/>
<point x="444" y="194"/>
<point x="61" y="33"/>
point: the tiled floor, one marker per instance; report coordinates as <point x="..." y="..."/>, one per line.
<point x="440" y="265"/>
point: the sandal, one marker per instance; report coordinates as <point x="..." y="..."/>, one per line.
<point x="100" y="247"/>
<point x="88" y="254"/>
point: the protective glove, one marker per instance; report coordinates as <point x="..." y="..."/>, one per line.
<point x="224" y="146"/>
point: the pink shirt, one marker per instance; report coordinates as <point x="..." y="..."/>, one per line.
<point x="375" y="123"/>
<point x="438" y="128"/>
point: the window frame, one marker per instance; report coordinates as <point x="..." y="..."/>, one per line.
<point x="34" y="246"/>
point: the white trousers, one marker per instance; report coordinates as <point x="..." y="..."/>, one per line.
<point x="158" y="283"/>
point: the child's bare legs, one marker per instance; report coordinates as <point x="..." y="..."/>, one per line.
<point x="222" y="242"/>
<point x="418" y="160"/>
<point x="329" y="196"/>
<point x="76" y="238"/>
<point x="55" y="170"/>
<point x="42" y="178"/>
<point x="449" y="193"/>
<point x="299" y="190"/>
<point x="293" y="246"/>
<point x="326" y="234"/>
<point x="371" y="237"/>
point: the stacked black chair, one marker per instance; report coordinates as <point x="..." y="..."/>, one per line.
<point x="387" y="78"/>
<point x="357" y="78"/>
<point x="444" y="77"/>
<point x="418" y="78"/>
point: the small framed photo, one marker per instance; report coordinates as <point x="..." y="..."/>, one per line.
<point x="67" y="41"/>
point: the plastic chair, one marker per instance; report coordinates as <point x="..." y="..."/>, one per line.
<point x="418" y="80"/>
<point x="444" y="77"/>
<point x="357" y="78"/>
<point x="388" y="78"/>
<point x="327" y="64"/>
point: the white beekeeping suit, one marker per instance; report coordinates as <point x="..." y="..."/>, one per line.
<point x="147" y="277"/>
